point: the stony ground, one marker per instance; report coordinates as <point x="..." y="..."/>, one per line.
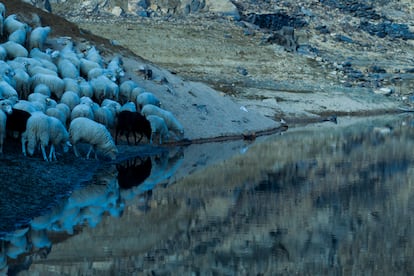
<point x="341" y="66"/>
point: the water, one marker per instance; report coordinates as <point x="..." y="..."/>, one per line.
<point x="321" y="199"/>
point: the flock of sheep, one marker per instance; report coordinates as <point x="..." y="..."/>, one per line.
<point x="61" y="97"/>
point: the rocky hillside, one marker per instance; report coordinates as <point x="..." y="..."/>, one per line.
<point x="270" y="55"/>
<point x="287" y="59"/>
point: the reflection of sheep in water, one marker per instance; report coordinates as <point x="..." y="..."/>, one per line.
<point x="93" y="133"/>
<point x="132" y="122"/>
<point x="132" y="174"/>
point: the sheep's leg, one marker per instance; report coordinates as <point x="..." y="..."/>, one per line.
<point x="52" y="155"/>
<point x="42" y="147"/>
<point x="89" y="152"/>
<point x="140" y="138"/>
<point x="127" y="136"/>
<point x="75" y="150"/>
<point x="24" y="140"/>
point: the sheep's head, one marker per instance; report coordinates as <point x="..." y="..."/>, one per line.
<point x="66" y="145"/>
<point x="6" y="106"/>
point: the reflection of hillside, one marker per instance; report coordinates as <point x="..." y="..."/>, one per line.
<point x="318" y="202"/>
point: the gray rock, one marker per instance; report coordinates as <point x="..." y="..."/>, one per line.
<point x="223" y="8"/>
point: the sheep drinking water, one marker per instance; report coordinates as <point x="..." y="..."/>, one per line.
<point x="132" y="122"/>
<point x="95" y="134"/>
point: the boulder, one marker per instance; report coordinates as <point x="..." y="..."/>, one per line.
<point x="223" y="8"/>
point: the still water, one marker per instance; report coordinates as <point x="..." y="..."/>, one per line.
<point x="324" y="199"/>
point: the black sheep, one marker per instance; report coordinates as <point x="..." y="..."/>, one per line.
<point x="17" y="120"/>
<point x="134" y="122"/>
<point x="133" y="173"/>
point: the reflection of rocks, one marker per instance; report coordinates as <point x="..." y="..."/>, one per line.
<point x="315" y="199"/>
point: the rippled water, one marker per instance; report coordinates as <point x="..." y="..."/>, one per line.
<point x="321" y="199"/>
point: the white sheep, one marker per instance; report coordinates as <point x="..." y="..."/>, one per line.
<point x="115" y="65"/>
<point x="15" y="64"/>
<point x="67" y="52"/>
<point x="11" y="24"/>
<point x="14" y="49"/>
<point x="7" y="91"/>
<point x="37" y="132"/>
<point x="97" y="72"/>
<point x="42" y="89"/>
<point x="2" y="10"/>
<point x="93" y="133"/>
<point x="85" y="89"/>
<point x="28" y="61"/>
<point x="87" y="65"/>
<point x="104" y="88"/>
<point x="93" y="55"/>
<point x="125" y="89"/>
<point x="116" y="107"/>
<point x="67" y="69"/>
<point x="1" y="26"/>
<point x="105" y="115"/>
<point x="159" y="127"/>
<point x="3" y="52"/>
<point x="6" y="69"/>
<point x="5" y="108"/>
<point x="172" y="123"/>
<point x="38" y="37"/>
<point x="55" y="84"/>
<point x="135" y="92"/>
<point x="86" y="100"/>
<point x="147" y="98"/>
<point x="57" y="113"/>
<point x="26" y="106"/>
<point x="72" y="84"/>
<point x="18" y="36"/>
<point x="22" y="80"/>
<point x="40" y="69"/>
<point x="50" y="103"/>
<point x="59" y="136"/>
<point x="46" y="63"/>
<point x="64" y="108"/>
<point x="130" y="106"/>
<point x="39" y="54"/>
<point x="70" y="98"/>
<point x="39" y="100"/>
<point x="82" y="110"/>
<point x="43" y="129"/>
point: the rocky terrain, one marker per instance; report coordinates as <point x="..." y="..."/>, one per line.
<point x="285" y="59"/>
<point x="226" y="66"/>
